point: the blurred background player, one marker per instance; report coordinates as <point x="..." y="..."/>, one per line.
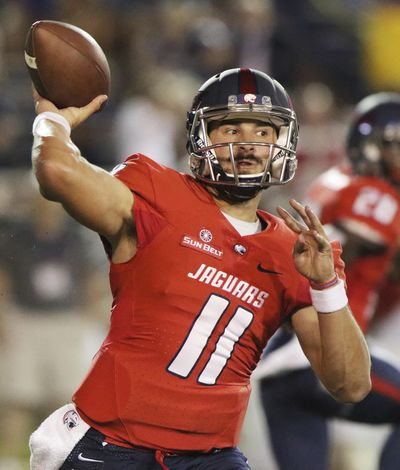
<point x="360" y="205"/>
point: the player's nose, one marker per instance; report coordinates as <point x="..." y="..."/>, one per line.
<point x="246" y="148"/>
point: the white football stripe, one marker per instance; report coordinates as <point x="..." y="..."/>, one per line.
<point x="30" y="61"/>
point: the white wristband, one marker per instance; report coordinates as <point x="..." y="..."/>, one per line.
<point x="55" y="117"/>
<point x="331" y="299"/>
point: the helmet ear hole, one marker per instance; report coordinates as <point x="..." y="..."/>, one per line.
<point x="241" y="94"/>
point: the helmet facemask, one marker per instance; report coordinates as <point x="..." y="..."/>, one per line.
<point x="378" y="152"/>
<point x="280" y="162"/>
<point x="391" y="152"/>
<point x="373" y="142"/>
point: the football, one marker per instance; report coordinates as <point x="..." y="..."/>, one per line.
<point x="66" y="64"/>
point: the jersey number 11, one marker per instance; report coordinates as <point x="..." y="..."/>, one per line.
<point x="199" y="335"/>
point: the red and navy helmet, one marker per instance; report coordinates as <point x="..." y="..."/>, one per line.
<point x="242" y="94"/>
<point x="373" y="141"/>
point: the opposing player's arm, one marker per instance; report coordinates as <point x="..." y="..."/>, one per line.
<point x="327" y="331"/>
<point x="88" y="193"/>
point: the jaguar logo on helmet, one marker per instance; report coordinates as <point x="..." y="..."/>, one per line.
<point x="250" y="98"/>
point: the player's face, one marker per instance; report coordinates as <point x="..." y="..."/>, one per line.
<point x="249" y="158"/>
<point x="391" y="155"/>
<point x="390" y="149"/>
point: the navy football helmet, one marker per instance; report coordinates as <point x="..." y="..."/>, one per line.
<point x="373" y="141"/>
<point x="242" y="94"/>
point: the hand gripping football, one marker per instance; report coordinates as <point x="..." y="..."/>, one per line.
<point x="66" y="65"/>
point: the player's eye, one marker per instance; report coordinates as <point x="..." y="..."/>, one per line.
<point x="267" y="132"/>
<point x="231" y="131"/>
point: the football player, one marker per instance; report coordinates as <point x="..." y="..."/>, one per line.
<point x="200" y="280"/>
<point x="359" y="205"/>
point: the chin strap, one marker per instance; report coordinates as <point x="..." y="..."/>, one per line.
<point x="235" y="194"/>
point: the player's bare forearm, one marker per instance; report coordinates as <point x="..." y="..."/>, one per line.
<point x="89" y="194"/>
<point x="337" y="351"/>
<point x="345" y="361"/>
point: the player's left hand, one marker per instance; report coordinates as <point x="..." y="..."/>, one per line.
<point x="312" y="252"/>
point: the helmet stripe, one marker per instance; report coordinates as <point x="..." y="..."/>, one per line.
<point x="247" y="82"/>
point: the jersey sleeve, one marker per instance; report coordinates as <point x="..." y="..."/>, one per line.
<point x="297" y="297"/>
<point x="142" y="176"/>
<point x="151" y="183"/>
<point x="337" y="260"/>
<point x="323" y="191"/>
<point x="157" y="184"/>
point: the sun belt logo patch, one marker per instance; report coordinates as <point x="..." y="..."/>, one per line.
<point x="200" y="245"/>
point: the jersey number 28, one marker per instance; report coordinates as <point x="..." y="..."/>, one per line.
<point x="373" y="203"/>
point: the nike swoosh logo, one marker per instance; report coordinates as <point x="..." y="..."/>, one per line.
<point x="267" y="271"/>
<point x="86" y="459"/>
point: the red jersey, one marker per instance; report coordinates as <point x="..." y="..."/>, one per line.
<point x="192" y="312"/>
<point x="370" y="208"/>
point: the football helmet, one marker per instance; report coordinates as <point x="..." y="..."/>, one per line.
<point x="242" y="94"/>
<point x="373" y="141"/>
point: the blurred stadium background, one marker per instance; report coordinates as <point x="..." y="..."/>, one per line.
<point x="53" y="275"/>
